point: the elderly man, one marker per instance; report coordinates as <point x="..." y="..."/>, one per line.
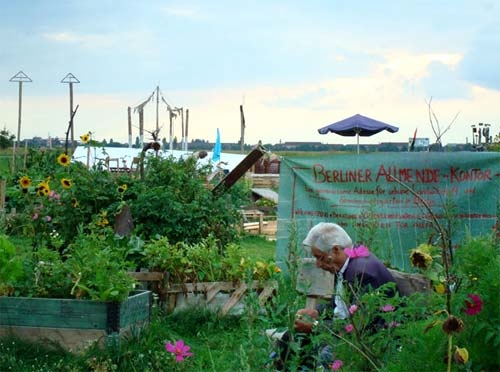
<point x="356" y="268"/>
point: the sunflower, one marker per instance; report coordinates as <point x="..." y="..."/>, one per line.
<point x="122" y="188"/>
<point x="85" y="138"/>
<point x="453" y="325"/>
<point x="420" y="259"/>
<point x="74" y="203"/>
<point x="63" y="160"/>
<point x="66" y="183"/>
<point x="25" y="182"/>
<point x="43" y="189"/>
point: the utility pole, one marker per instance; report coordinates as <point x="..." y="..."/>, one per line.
<point x="70" y="79"/>
<point x="20" y="78"/>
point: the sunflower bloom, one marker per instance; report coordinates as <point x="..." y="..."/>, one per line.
<point x="43" y="189"/>
<point x="85" y="138"/>
<point x="453" y="325"/>
<point x="74" y="203"/>
<point x="66" y="183"/>
<point x="121" y="189"/>
<point x="420" y="259"/>
<point x="63" y="160"/>
<point x="25" y="182"/>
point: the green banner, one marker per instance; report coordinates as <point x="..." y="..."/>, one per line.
<point x="382" y="197"/>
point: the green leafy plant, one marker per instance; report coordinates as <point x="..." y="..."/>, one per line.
<point x="11" y="266"/>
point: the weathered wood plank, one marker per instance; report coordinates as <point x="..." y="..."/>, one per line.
<point x="235" y="298"/>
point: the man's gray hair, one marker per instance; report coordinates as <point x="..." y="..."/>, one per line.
<point x="325" y="235"/>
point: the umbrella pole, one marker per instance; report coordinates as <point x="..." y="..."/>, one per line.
<point x="357" y="140"/>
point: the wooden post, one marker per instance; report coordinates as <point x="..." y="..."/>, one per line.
<point x="25" y="153"/>
<point x="141" y="126"/>
<point x="71" y="115"/>
<point x="2" y="196"/>
<point x="182" y="128"/>
<point x="171" y="131"/>
<point x="19" y="113"/>
<point x="157" y="105"/>
<point x="129" y="114"/>
<point x="187" y="120"/>
<point x="242" y="138"/>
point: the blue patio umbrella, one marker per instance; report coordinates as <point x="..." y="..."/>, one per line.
<point x="358" y="125"/>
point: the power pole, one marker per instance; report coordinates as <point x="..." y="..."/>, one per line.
<point x="70" y="79"/>
<point x="20" y="78"/>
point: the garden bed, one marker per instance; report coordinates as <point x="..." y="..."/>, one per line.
<point x="223" y="296"/>
<point x="70" y="322"/>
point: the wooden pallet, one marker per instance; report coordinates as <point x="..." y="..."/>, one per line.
<point x="208" y="292"/>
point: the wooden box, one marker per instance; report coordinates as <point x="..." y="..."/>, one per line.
<point x="70" y="322"/>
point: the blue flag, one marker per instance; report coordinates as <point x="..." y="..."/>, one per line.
<point x="217" y="148"/>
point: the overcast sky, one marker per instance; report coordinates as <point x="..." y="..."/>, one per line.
<point x="295" y="66"/>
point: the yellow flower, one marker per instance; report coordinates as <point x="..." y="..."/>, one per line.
<point x="420" y="259"/>
<point x="277" y="269"/>
<point x="66" y="183"/>
<point x="122" y="188"/>
<point x="63" y="160"/>
<point x="74" y="203"/>
<point x="43" y="188"/>
<point x="85" y="138"/>
<point x="25" y="182"/>
<point x="461" y="355"/>
<point x="440" y="288"/>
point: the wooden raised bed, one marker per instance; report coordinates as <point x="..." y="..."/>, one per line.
<point x="223" y="296"/>
<point x="70" y="322"/>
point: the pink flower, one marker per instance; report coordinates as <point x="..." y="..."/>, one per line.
<point x="360" y="251"/>
<point x="353" y="309"/>
<point x="349" y="328"/>
<point x="51" y="193"/>
<point x="48" y="218"/>
<point x="35" y="216"/>
<point x="474" y="307"/>
<point x="387" y="308"/>
<point x="179" y="349"/>
<point x="336" y="365"/>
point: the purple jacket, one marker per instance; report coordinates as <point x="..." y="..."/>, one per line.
<point x="367" y="271"/>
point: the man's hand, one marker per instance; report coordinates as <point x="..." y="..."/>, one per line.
<point x="304" y="320"/>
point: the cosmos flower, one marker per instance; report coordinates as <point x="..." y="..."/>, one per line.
<point x="349" y="328"/>
<point x="353" y="309"/>
<point x="387" y="308"/>
<point x="336" y="365"/>
<point x="474" y="307"/>
<point x="179" y="349"/>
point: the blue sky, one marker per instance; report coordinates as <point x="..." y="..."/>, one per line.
<point x="296" y="66"/>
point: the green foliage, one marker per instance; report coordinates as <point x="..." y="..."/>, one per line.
<point x="11" y="269"/>
<point x="97" y="265"/>
<point x="204" y="261"/>
<point x="477" y="264"/>
<point x="6" y="138"/>
<point x="173" y="201"/>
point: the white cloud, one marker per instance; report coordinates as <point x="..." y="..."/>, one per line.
<point x="183" y="11"/>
